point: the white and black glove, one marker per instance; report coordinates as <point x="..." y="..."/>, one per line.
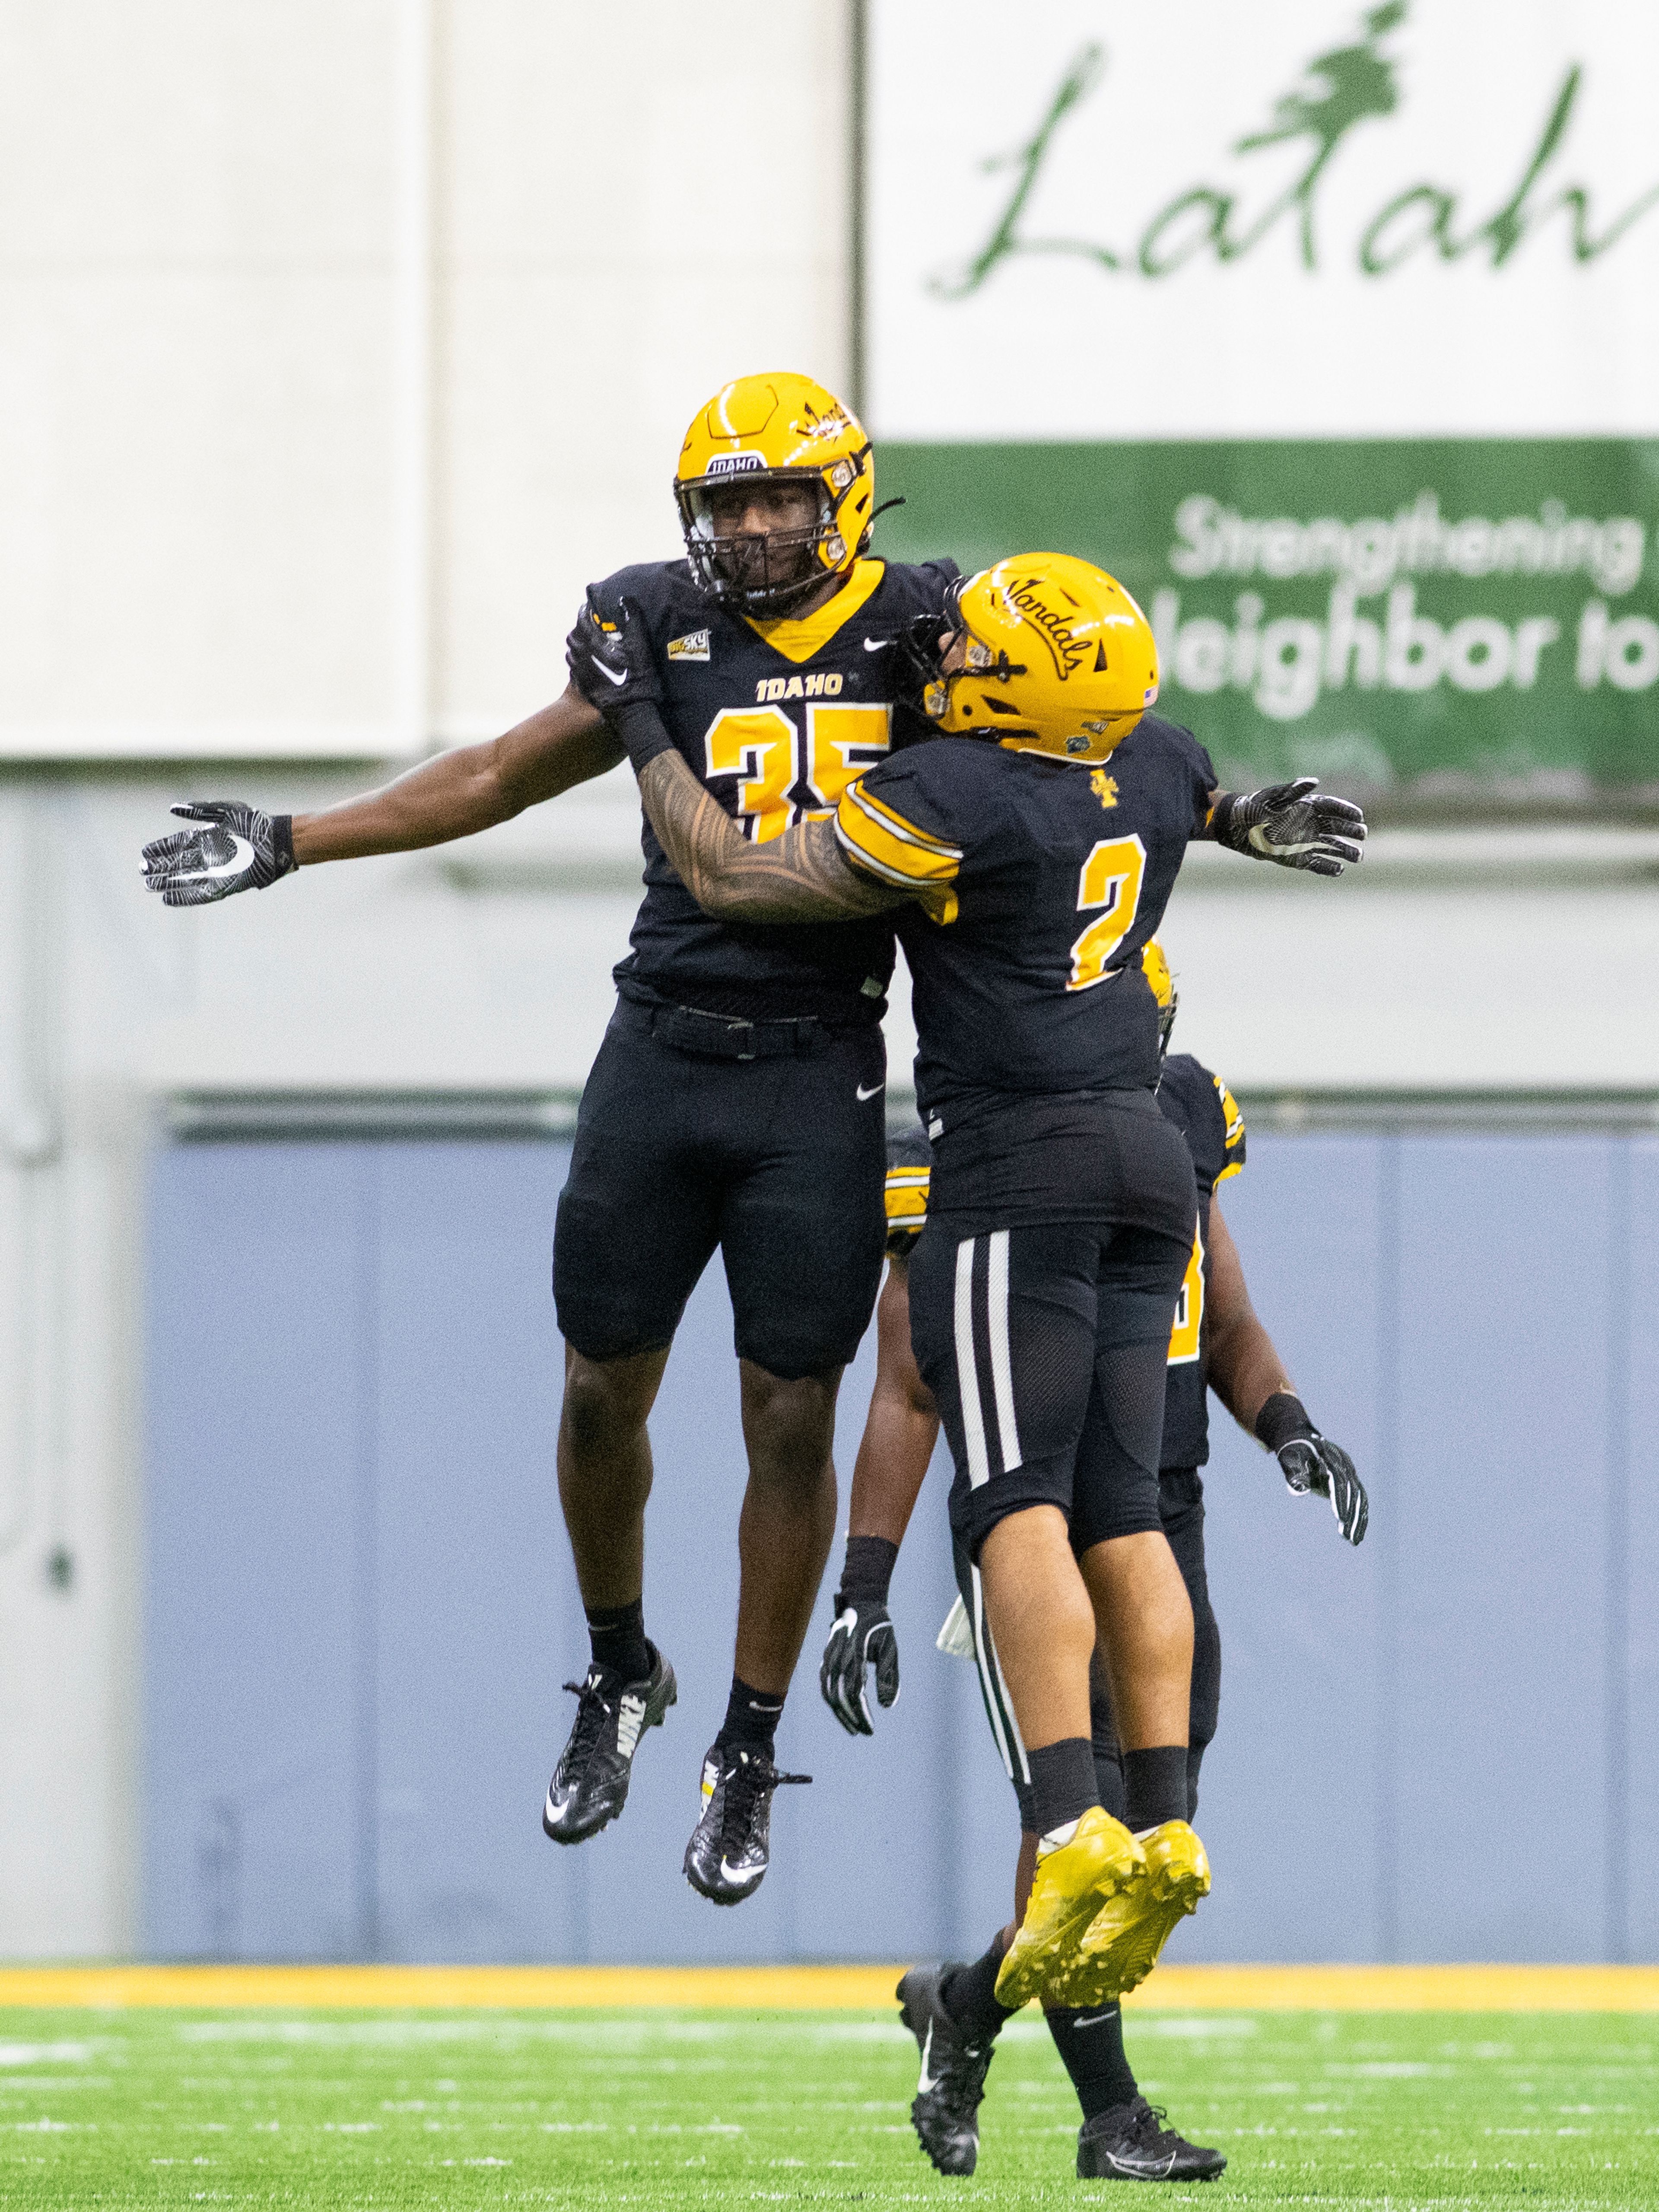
<point x="1294" y="824"/>
<point x="1312" y="1464"/>
<point x="612" y="664"/>
<point x="239" y="849"/>
<point x="863" y="1636"/>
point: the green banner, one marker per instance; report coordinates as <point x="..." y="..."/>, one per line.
<point x="1444" y="620"/>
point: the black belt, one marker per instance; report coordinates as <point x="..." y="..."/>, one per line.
<point x="725" y="1036"/>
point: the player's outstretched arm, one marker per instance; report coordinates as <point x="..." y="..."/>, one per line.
<point x="802" y="876"/>
<point x="900" y="1432"/>
<point x="1247" y="1374"/>
<point x="1295" y="825"/>
<point x="236" y="847"/>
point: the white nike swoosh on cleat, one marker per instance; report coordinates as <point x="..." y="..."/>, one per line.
<point x="555" y="1806"/>
<point x="242" y="858"/>
<point x="1141" y="2169"/>
<point x="872" y="1091"/>
<point x="737" y="1875"/>
<point x="927" y="2081"/>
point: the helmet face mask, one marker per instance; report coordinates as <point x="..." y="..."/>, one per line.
<point x="953" y="641"/>
<point x="764" y="572"/>
<point x="773" y="435"/>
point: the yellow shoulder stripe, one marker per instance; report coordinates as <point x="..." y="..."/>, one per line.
<point x="799" y="640"/>
<point x="885" y="846"/>
<point x="891" y="847"/>
<point x="1232" y="1168"/>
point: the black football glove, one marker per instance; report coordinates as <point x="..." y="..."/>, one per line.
<point x="1295" y="825"/>
<point x="240" y="849"/>
<point x="1312" y="1464"/>
<point x="863" y="1636"/>
<point x="917" y="659"/>
<point x="614" y="667"/>
<point x="1315" y="1464"/>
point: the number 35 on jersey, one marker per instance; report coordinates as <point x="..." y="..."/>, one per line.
<point x="787" y="773"/>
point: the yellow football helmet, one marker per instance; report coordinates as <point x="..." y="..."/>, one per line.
<point x="1058" y="658"/>
<point x="1156" y="969"/>
<point x="781" y="429"/>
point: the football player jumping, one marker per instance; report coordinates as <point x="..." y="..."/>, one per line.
<point x="737" y="1100"/>
<point x="1028" y="879"/>
<point x="1217" y="1340"/>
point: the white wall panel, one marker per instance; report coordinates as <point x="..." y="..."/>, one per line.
<point x="634" y="208"/>
<point x="196" y="224"/>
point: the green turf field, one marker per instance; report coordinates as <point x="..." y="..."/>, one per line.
<point x="654" y="2108"/>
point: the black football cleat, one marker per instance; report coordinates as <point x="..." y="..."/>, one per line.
<point x="590" y="1784"/>
<point x="730" y="1848"/>
<point x="944" y="2110"/>
<point x="1131" y="2143"/>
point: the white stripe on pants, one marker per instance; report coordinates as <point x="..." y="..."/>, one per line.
<point x="998" y="1702"/>
<point x="968" y="1387"/>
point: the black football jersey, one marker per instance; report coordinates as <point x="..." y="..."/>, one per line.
<point x="1038" y="882"/>
<point x="1202" y="1107"/>
<point x="776" y="719"/>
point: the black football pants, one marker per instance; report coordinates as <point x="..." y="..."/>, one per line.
<point x="1046" y="1349"/>
<point x="778" y="1160"/>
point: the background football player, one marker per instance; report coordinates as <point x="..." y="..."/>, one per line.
<point x="1040" y="1321"/>
<point x="737" y="1099"/>
<point x="1217" y="1340"/>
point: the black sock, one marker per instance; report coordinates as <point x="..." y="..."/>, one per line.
<point x="968" y="1994"/>
<point x="617" y="1634"/>
<point x="1089" y="2041"/>
<point x="1063" y="1785"/>
<point x="1155" y="1784"/>
<point x="751" y="1717"/>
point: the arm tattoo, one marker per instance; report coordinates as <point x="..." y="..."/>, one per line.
<point x="803" y="875"/>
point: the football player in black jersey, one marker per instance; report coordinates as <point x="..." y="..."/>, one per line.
<point x="737" y="1100"/>
<point x="1217" y="1340"/>
<point x="1041" y="1316"/>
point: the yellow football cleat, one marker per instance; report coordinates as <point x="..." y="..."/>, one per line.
<point x="1121" y="1945"/>
<point x="1073" y="1883"/>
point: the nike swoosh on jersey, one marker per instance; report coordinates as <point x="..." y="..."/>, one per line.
<point x="872" y="1091"/>
<point x="927" y="2081"/>
<point x="877" y="644"/>
<point x="242" y="858"/>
